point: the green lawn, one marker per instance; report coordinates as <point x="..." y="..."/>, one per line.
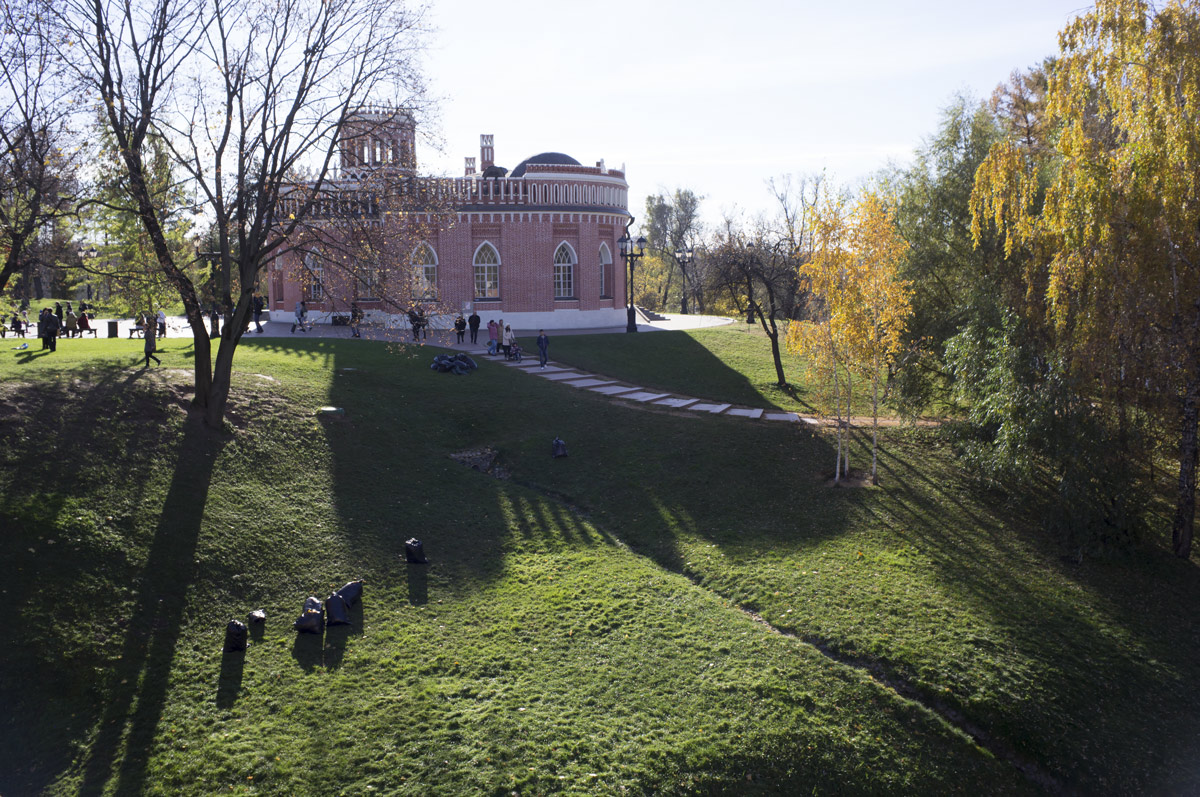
<point x="680" y="606"/>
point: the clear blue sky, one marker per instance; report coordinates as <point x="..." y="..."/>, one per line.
<point x="716" y="96"/>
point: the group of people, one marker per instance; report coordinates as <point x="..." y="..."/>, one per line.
<point x="51" y="324"/>
<point x="148" y="324"/>
<point x="502" y="339"/>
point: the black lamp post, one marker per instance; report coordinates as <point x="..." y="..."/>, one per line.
<point x="750" y="286"/>
<point x="631" y="252"/>
<point x="87" y="252"/>
<point x="685" y="258"/>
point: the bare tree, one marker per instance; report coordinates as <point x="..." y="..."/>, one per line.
<point x="758" y="271"/>
<point x="37" y="159"/>
<point x="757" y="266"/>
<point x="250" y="99"/>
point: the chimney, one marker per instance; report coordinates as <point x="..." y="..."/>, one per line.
<point x="470" y="166"/>
<point x="487" y="156"/>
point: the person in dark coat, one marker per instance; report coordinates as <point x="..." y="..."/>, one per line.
<point x="543" y="344"/>
<point x="415" y="321"/>
<point x="51" y="326"/>
<point x="473" y="323"/>
<point x="258" y="305"/>
<point x="460" y="327"/>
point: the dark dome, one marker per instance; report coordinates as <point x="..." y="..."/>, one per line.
<point x="552" y="158"/>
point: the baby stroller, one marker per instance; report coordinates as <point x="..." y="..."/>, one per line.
<point x="515" y="352"/>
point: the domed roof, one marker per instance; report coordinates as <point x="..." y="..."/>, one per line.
<point x="551" y="158"/>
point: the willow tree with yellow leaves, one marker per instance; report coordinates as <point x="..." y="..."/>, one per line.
<point x="1115" y="239"/>
<point x="858" y="306"/>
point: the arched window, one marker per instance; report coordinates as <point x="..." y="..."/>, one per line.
<point x="564" y="272"/>
<point x="313" y="278"/>
<point x="424" y="270"/>
<point x="605" y="271"/>
<point x="487" y="272"/>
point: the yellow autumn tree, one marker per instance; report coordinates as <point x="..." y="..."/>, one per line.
<point x="858" y="306"/>
<point x="821" y="339"/>
<point x="876" y="320"/>
<point x="1117" y="235"/>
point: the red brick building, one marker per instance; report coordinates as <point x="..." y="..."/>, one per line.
<point x="536" y="246"/>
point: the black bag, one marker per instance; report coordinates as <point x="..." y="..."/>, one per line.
<point x="311" y="621"/>
<point x="414" y="551"/>
<point x="335" y="611"/>
<point x="351" y="592"/>
<point x="235" y="636"/>
<point x="558" y="448"/>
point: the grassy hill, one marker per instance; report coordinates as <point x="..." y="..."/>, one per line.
<point x="680" y="606"/>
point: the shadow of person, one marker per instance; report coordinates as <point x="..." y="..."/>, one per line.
<point x="418" y="585"/>
<point x="27" y="356"/>
<point x="230" y="681"/>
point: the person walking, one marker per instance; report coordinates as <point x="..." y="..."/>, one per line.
<point x="301" y="314"/>
<point x="149" y="346"/>
<point x="507" y="341"/>
<point x="460" y="327"/>
<point x="415" y="322"/>
<point x="473" y="323"/>
<point x="543" y="344"/>
<point x="493" y="336"/>
<point x="258" y="304"/>
<point x="162" y="323"/>
<point x="356" y="317"/>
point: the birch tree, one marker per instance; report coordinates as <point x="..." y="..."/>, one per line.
<point x="882" y="305"/>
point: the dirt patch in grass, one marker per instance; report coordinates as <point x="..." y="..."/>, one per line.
<point x="484" y="460"/>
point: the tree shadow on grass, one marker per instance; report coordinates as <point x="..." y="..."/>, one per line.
<point x="70" y="569"/>
<point x="134" y="705"/>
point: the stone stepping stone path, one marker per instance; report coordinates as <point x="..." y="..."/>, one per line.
<point x="616" y="389"/>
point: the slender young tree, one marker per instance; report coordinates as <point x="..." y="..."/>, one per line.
<point x="824" y="338"/>
<point x="877" y="318"/>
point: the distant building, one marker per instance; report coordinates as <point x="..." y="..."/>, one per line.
<point x="536" y="246"/>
